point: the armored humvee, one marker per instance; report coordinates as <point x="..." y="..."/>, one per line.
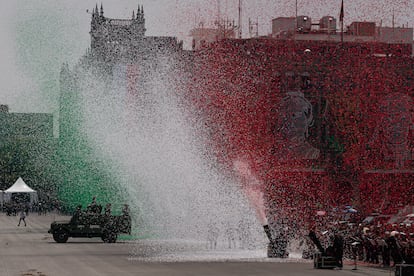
<point x="90" y="224"/>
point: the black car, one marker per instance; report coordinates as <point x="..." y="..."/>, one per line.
<point x="90" y="225"/>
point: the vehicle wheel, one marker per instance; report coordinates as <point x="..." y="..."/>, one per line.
<point x="109" y="237"/>
<point x="113" y="238"/>
<point x="61" y="236"/>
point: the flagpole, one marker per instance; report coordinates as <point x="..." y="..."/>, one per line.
<point x="296" y="9"/>
<point x="341" y="18"/>
<point x="296" y="20"/>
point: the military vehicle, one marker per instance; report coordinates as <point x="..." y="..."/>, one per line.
<point x="91" y="223"/>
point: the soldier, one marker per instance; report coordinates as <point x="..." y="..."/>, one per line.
<point x="385" y="250"/>
<point x="108" y="209"/>
<point x="125" y="210"/>
<point x="230" y="233"/>
<point x="213" y="233"/>
<point x="76" y="215"/>
<point x="338" y="248"/>
<point x="93" y="207"/>
<point x="93" y="203"/>
<point x="395" y="248"/>
<point x="126" y="219"/>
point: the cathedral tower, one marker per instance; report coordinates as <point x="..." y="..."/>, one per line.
<point x="113" y="38"/>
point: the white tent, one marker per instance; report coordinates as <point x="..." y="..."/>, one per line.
<point x="20" y="187"/>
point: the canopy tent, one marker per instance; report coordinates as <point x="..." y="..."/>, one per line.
<point x="20" y="187"/>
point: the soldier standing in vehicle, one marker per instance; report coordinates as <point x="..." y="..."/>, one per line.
<point x="108" y="209"/>
<point x="76" y="215"/>
<point x="93" y="207"/>
<point x="125" y="210"/>
<point x="126" y="219"/>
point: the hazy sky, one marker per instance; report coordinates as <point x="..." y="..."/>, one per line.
<point x="37" y="36"/>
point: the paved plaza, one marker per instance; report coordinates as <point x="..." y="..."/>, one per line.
<point x="31" y="251"/>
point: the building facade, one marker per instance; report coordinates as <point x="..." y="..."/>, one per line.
<point x="125" y="39"/>
<point x="27" y="149"/>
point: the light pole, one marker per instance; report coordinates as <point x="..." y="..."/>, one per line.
<point x="296" y="20"/>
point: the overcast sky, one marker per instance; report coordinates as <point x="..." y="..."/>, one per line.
<point x="37" y="36"/>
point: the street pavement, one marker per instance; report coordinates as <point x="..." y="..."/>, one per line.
<point x="31" y="251"/>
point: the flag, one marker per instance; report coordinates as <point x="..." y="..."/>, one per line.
<point x="341" y="14"/>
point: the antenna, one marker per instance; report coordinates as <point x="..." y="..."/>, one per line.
<point x="250" y="27"/>
<point x="218" y="11"/>
<point x="240" y="19"/>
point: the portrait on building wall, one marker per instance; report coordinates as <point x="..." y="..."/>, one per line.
<point x="295" y="117"/>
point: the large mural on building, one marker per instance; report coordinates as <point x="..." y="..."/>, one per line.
<point x="318" y="131"/>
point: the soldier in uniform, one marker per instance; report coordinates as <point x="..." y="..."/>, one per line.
<point x="108" y="209"/>
<point x="385" y="250"/>
<point x="76" y="215"/>
<point x="395" y="248"/>
<point x="125" y="210"/>
<point x="126" y="219"/>
<point x="338" y="248"/>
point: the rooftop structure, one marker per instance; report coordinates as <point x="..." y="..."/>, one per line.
<point x="25" y="125"/>
<point x="205" y="35"/>
<point x="304" y="28"/>
<point x="115" y="39"/>
<point x="326" y="30"/>
<point x="27" y="148"/>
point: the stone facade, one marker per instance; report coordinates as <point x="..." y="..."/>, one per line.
<point x="125" y="39"/>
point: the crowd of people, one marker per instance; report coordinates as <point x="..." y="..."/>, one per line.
<point x="41" y="208"/>
<point x="385" y="245"/>
<point x="378" y="245"/>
